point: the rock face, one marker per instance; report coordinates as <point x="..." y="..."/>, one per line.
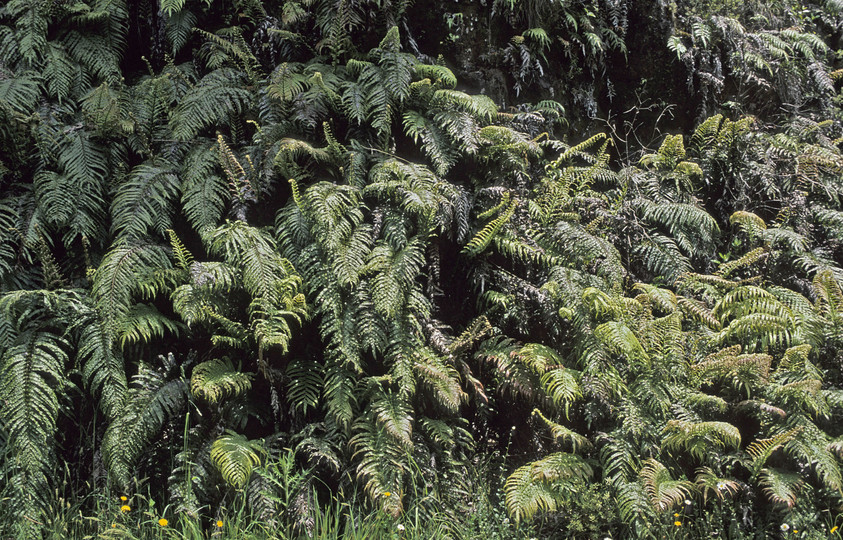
<point x="599" y="60"/>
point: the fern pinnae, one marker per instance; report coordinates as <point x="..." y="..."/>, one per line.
<point x="217" y="379"/>
<point x="481" y="240"/>
<point x="29" y="369"/>
<point x="235" y="457"/>
<point x="120" y="277"/>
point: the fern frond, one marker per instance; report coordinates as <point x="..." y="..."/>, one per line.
<point x="745" y="260"/>
<point x="762" y="449"/>
<point x="211" y="102"/>
<point x="154" y="397"/>
<point x="544" y="484"/>
<point x="305" y="384"/>
<point x="144" y="201"/>
<point x="124" y="273"/>
<point x="700" y="438"/>
<point x="235" y="457"/>
<point x="217" y="379"/>
<point x="144" y="323"/>
<point x="558" y="431"/>
<point x="781" y="487"/>
<point x="31" y="382"/>
<point x="664" y="492"/>
<point x="481" y="240"/>
<point x="710" y="483"/>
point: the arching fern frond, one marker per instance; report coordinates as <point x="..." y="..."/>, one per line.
<point x="235" y="457"/>
<point x="217" y="379"/>
<point x="701" y="438"/>
<point x="126" y="271"/>
<point x="664" y="492"/>
<point x="144" y="201"/>
<point x="211" y="102"/>
<point x="544" y="484"/>
<point x="31" y="382"/>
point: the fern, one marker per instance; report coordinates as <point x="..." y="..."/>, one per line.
<point x="203" y="192"/>
<point x="544" y="484"/>
<point x="212" y="101"/>
<point x="143" y="202"/>
<point x="217" y="379"/>
<point x="125" y="272"/>
<point x="32" y="376"/>
<point x="483" y="238"/>
<point x="155" y="396"/>
<point x="702" y="438"/>
<point x="235" y="457"/>
<point x="663" y="491"/>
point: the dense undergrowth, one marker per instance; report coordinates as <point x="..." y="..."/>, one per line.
<point x="376" y="269"/>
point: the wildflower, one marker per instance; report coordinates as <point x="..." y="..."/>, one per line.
<point x="677" y="523"/>
<point x="113" y="525"/>
<point x="163" y="522"/>
<point x="125" y="508"/>
<point x="123" y="498"/>
<point x="785" y="527"/>
<point x="833" y="529"/>
<point x="721" y="486"/>
<point x="219" y="523"/>
<point x="675" y="515"/>
<point x="687" y="502"/>
<point x="400" y="528"/>
<point x="795" y="531"/>
<point x="386" y="493"/>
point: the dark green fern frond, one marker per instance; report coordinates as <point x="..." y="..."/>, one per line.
<point x="144" y="201"/>
<point x="19" y="94"/>
<point x="31" y="382"/>
<point x="483" y="238"/>
<point x="217" y="379"/>
<point x="155" y="396"/>
<point x="664" y="492"/>
<point x="565" y="434"/>
<point x="780" y="487"/>
<point x="381" y="466"/>
<point x="701" y="438"/>
<point x="102" y="365"/>
<point x="124" y="273"/>
<point x="211" y="102"/>
<point x="305" y="383"/>
<point x="204" y="193"/>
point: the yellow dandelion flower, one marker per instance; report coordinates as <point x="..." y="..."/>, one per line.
<point x="123" y="498"/>
<point x="833" y="529"/>
<point x="113" y="525"/>
<point x="795" y="531"/>
<point x="677" y="523"/>
<point x="125" y="508"/>
<point x="163" y="522"/>
<point x="219" y="524"/>
<point x="386" y="493"/>
<point x="675" y="515"/>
